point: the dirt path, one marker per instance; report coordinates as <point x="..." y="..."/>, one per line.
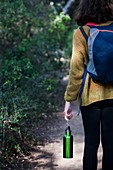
<point x="48" y="153"/>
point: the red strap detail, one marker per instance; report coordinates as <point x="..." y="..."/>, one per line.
<point x="91" y="24"/>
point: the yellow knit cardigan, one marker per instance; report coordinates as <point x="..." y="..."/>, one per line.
<point x="92" y="91"/>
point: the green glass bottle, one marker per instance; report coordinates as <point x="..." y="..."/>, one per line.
<point x="68" y="144"/>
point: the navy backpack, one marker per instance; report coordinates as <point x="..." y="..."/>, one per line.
<point x="100" y="52"/>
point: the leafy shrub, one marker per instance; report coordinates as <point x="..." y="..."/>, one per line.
<point x="32" y="42"/>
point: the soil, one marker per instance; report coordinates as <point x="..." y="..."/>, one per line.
<point x="48" y="153"/>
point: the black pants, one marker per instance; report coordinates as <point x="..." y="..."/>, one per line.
<point x="98" y="118"/>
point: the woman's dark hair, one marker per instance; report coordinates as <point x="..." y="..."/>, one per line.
<point x="96" y="11"/>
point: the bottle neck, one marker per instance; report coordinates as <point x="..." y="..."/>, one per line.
<point x="68" y="133"/>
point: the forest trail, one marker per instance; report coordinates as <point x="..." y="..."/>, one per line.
<point x="48" y="153"/>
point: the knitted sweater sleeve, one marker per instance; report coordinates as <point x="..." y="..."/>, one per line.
<point x="79" y="53"/>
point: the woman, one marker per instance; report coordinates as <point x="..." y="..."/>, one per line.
<point x="97" y="98"/>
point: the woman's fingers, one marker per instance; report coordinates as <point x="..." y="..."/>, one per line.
<point x="68" y="116"/>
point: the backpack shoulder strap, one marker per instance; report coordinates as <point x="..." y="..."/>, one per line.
<point x="85" y="73"/>
<point x="84" y="33"/>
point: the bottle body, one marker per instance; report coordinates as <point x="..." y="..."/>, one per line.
<point x="68" y="144"/>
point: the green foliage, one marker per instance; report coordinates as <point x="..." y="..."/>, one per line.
<point x="33" y="38"/>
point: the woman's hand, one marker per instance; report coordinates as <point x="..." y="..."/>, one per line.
<point x="68" y="114"/>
